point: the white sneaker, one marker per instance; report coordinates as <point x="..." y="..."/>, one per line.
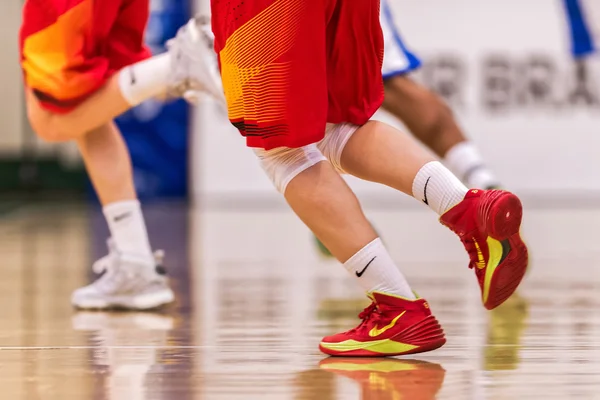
<point x="194" y="65"/>
<point x="126" y="282"/>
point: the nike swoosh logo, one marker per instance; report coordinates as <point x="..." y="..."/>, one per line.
<point x="359" y="274"/>
<point x="378" y="331"/>
<point x="498" y="251"/>
<point x="122" y="216"/>
<point x="425" y="192"/>
<point x="480" y="260"/>
<point x="132" y="76"/>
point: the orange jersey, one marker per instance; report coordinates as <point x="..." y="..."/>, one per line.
<point x="70" y="47"/>
<point x="291" y="66"/>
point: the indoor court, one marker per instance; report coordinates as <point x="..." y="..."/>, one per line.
<point x="253" y="304"/>
<point x="255" y="294"/>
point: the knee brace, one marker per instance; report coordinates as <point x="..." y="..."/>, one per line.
<point x="283" y="164"/>
<point x="332" y="145"/>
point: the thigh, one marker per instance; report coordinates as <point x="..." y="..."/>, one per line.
<point x="354" y="61"/>
<point x="273" y="65"/>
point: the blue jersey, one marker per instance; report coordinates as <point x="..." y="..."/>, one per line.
<point x="580" y="19"/>
<point x="397" y="59"/>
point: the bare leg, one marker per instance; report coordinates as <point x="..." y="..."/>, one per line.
<point x="108" y="163"/>
<point x="119" y="94"/>
<point x="109" y="166"/>
<point x="380" y="153"/>
<point x="377" y="152"/>
<point x="325" y="203"/>
<point x="130" y="279"/>
<point x="104" y="105"/>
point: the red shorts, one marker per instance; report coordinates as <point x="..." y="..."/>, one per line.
<point x="291" y="66"/>
<point x="69" y="48"/>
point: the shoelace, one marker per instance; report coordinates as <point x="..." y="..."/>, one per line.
<point x="469" y="246"/>
<point x="370" y="313"/>
<point x="471" y="250"/>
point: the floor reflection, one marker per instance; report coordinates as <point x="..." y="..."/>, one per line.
<point x="126" y="348"/>
<point x="254" y="302"/>
<point x="389" y="378"/>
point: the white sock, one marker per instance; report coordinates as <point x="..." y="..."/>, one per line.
<point x="127" y="228"/>
<point x="467" y="164"/>
<point x="375" y="270"/>
<point x="145" y="79"/>
<point x="435" y="186"/>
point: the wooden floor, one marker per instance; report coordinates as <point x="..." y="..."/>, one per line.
<point x="254" y="298"/>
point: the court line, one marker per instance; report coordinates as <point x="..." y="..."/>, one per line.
<point x="101" y="347"/>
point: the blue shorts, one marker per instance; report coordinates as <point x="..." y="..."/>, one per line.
<point x="582" y="26"/>
<point x="397" y="59"/>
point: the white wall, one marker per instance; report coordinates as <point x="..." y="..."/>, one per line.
<point x="11" y="116"/>
<point x="544" y="146"/>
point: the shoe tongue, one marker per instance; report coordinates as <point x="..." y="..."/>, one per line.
<point x="383" y="299"/>
<point x="389" y="302"/>
<point x="456" y="214"/>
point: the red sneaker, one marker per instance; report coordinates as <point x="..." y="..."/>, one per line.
<point x="390" y="326"/>
<point x="488" y="223"/>
<point x="390" y="378"/>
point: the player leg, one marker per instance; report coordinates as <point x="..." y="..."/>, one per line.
<point x="133" y="276"/>
<point x="280" y="103"/>
<point x="106" y="103"/>
<point x="130" y="250"/>
<point x="308" y="186"/>
<point x="424" y="113"/>
<point x="105" y="156"/>
<point x="108" y="164"/>
<point x="486" y="221"/>
<point x="106" y="91"/>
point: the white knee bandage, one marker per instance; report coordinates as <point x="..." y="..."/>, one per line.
<point x="284" y="164"/>
<point x="332" y="145"/>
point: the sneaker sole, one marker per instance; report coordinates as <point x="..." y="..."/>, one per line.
<point x="426" y="335"/>
<point x="502" y="216"/>
<point x="139" y="303"/>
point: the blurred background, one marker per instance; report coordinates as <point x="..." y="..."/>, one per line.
<point x="513" y="85"/>
<point x="506" y="69"/>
